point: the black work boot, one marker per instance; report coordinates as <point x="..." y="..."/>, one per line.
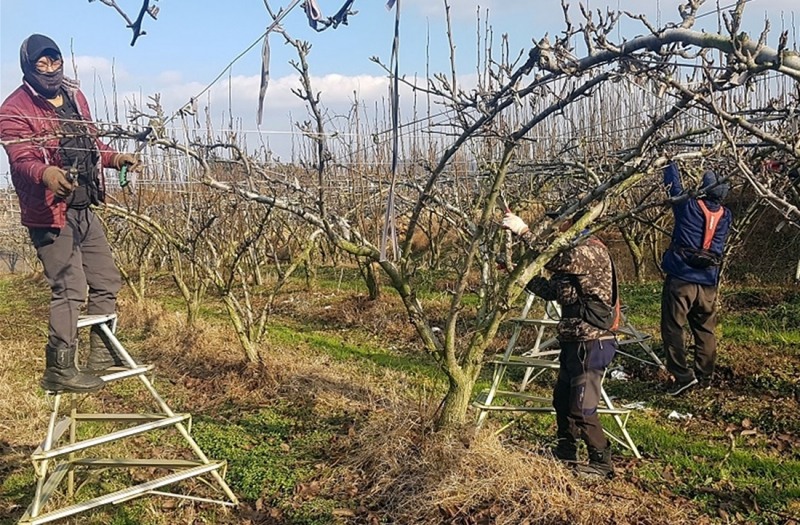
<point x="61" y="375"/>
<point x="565" y="450"/>
<point x="101" y="353"/>
<point x="599" y="463"/>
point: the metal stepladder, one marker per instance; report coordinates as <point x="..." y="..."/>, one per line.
<point x="536" y="360"/>
<point x="627" y="335"/>
<point x="65" y="458"/>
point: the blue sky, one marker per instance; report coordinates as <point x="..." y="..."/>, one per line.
<point x="192" y="41"/>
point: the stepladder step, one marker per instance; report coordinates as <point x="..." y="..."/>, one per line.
<point x="91" y="320"/>
<point x="107" y="438"/>
<point x="123" y="495"/>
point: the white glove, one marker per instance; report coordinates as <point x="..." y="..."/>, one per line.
<point x="514" y="223"/>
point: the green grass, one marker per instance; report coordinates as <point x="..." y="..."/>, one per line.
<point x="9" y="304"/>
<point x="731" y="469"/>
<point x="336" y="347"/>
<point x="17" y="487"/>
<point x="762" y="328"/>
<point x="133" y="514"/>
<point x="643" y="302"/>
<point x="270" y="452"/>
<point x="777" y="324"/>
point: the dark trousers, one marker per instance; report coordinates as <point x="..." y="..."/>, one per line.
<point x="74" y="258"/>
<point x="682" y="301"/>
<point x="577" y="390"/>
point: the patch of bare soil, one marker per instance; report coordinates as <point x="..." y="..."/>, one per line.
<point x="741" y="299"/>
<point x="757" y="394"/>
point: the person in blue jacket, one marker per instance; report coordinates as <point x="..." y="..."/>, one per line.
<point x="692" y="264"/>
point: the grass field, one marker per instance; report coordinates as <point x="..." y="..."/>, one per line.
<point x="334" y="427"/>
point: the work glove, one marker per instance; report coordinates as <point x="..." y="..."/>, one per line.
<point x="126" y="159"/>
<point x="537" y="284"/>
<point x="57" y="181"/>
<point x="514" y="223"/>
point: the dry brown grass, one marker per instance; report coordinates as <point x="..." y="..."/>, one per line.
<point x="405" y="472"/>
<point x="23" y="414"/>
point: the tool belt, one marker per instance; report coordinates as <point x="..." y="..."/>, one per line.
<point x="698" y="257"/>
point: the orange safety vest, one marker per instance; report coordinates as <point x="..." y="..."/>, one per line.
<point x="712" y="219"/>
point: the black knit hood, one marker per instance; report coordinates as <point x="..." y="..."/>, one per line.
<point x="31" y="50"/>
<point x="715" y="189"/>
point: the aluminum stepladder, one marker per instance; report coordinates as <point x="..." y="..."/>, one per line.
<point x="627" y="335"/>
<point x="536" y="360"/>
<point x="64" y="458"/>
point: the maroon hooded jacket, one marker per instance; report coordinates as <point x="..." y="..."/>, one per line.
<point x="28" y="128"/>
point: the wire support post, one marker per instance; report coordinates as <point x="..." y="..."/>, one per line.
<point x="65" y="450"/>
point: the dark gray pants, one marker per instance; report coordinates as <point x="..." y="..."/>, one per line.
<point x="74" y="258"/>
<point x="577" y="391"/>
<point x="682" y="301"/>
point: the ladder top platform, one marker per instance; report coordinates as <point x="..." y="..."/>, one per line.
<point x="89" y="320"/>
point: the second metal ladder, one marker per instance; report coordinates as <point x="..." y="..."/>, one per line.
<point x="536" y="360"/>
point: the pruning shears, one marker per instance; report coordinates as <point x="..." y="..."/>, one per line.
<point x="123" y="176"/>
<point x="123" y="172"/>
<point x="72" y="173"/>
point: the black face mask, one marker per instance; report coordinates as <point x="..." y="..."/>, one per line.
<point x="32" y="49"/>
<point x="46" y="84"/>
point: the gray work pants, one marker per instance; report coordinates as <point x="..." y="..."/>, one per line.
<point x="682" y="301"/>
<point x="75" y="258"/>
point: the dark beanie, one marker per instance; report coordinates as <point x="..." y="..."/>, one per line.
<point x="31" y="50"/>
<point x="715" y="190"/>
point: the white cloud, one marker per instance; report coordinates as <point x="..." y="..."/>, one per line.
<point x="337" y="95"/>
<point x="337" y="92"/>
<point x="169" y="77"/>
<point x="90" y="66"/>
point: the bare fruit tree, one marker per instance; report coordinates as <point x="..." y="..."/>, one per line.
<point x="580" y="122"/>
<point x="522" y="112"/>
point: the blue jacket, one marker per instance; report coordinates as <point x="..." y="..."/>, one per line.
<point x="688" y="232"/>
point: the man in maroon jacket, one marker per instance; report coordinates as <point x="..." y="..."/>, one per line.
<point x="57" y="163"/>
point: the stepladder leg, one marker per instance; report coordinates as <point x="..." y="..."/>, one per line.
<point x="40" y="497"/>
<point x="626" y="440"/>
<point x="73" y="434"/>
